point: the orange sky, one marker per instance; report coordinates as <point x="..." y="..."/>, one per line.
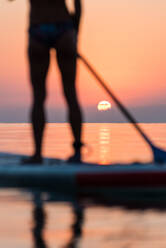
<point x="124" y="40"/>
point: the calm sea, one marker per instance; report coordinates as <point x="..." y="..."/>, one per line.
<point x="26" y="223"/>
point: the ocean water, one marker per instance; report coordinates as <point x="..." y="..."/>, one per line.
<point x="27" y="221"/>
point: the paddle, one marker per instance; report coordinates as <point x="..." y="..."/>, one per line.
<point x="159" y="155"/>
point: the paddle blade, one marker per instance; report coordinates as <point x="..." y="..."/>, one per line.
<point x="159" y="155"/>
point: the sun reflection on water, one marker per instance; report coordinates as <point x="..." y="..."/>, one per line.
<point x="104" y="144"/>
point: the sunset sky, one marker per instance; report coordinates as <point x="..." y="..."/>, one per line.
<point x="124" y="40"/>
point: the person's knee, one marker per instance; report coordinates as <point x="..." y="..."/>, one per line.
<point x="72" y="104"/>
<point x="70" y="96"/>
<point x="39" y="98"/>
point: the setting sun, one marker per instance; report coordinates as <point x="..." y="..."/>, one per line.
<point x="104" y="106"/>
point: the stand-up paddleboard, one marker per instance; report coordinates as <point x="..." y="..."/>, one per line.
<point x="55" y="171"/>
<point x="144" y="182"/>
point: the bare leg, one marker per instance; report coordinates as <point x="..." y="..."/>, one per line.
<point x="39" y="63"/>
<point x="66" y="57"/>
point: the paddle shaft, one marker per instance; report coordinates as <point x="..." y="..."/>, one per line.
<point x="118" y="103"/>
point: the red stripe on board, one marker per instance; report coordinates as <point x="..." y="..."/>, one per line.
<point x="152" y="179"/>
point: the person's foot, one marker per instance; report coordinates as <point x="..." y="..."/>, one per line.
<point x="76" y="158"/>
<point x="32" y="160"/>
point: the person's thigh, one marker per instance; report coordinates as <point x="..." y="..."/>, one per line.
<point x="66" y="45"/>
<point x="66" y="48"/>
<point x="39" y="57"/>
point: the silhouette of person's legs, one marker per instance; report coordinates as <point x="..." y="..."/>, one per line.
<point x="39" y="58"/>
<point x="77" y="227"/>
<point x="38" y="229"/>
<point x="67" y="60"/>
<point x="39" y="221"/>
